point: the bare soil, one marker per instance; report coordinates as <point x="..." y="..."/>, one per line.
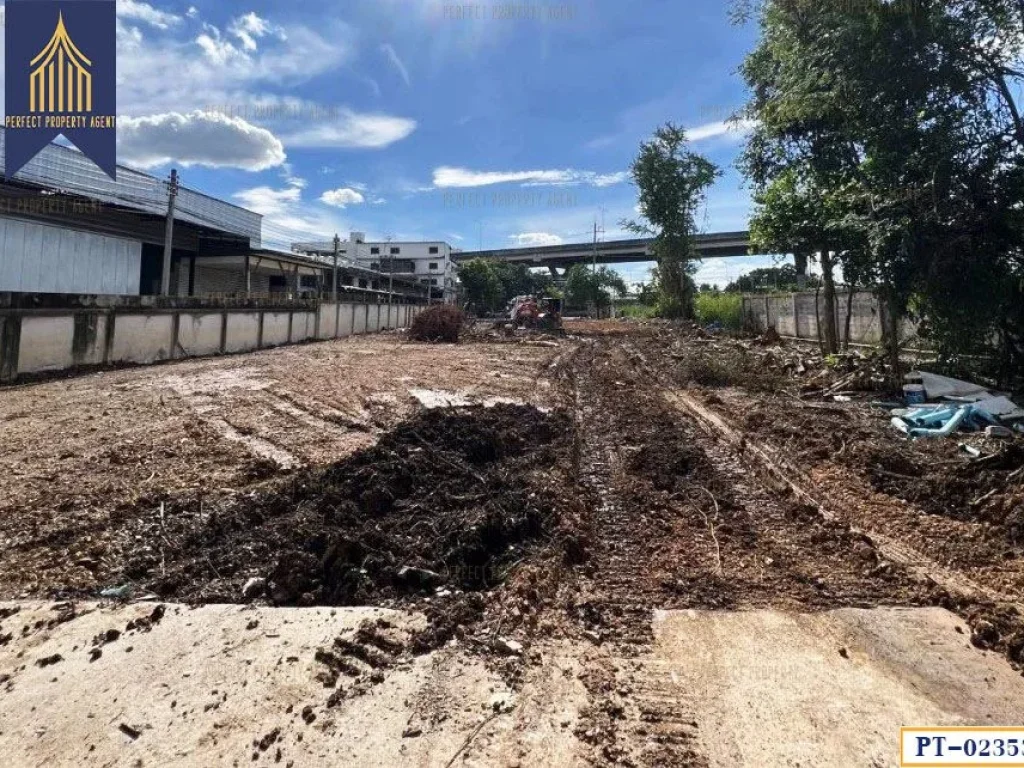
<point x="576" y="505"/>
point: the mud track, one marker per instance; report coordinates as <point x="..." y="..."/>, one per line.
<point x="682" y="523"/>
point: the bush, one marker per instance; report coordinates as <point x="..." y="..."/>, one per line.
<point x="726" y="308"/>
<point x="442" y="323"/>
<point x="637" y="311"/>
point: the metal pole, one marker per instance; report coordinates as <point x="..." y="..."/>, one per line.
<point x="334" y="283"/>
<point x="172" y="196"/>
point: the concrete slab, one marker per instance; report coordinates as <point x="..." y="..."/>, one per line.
<point x="205" y="686"/>
<point x="200" y="688"/>
<point x="778" y="689"/>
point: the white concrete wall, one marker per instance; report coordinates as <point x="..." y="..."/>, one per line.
<point x="275" y="329"/>
<point x="199" y="334"/>
<point x="328" y="320"/>
<point x="51" y="341"/>
<point x="303" y="326"/>
<point x="141" y="338"/>
<point x="243" y="329"/>
<point x="46" y="344"/>
<point x="346" y="319"/>
<point x="40" y="258"/>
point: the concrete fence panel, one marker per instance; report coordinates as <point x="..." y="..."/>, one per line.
<point x="347" y="319"/>
<point x="199" y="335"/>
<point x="276" y="329"/>
<point x="242" y="331"/>
<point x="328" y="321"/>
<point x="303" y="326"/>
<point x="800" y="315"/>
<point x="40" y="340"/>
<point x="142" y="338"/>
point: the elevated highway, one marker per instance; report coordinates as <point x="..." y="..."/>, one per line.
<point x="714" y="245"/>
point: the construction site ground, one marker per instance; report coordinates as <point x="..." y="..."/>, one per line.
<point x="635" y="545"/>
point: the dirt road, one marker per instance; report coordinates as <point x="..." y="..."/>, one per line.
<point x="598" y="558"/>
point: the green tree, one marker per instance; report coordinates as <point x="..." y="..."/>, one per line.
<point x="767" y="279"/>
<point x="520" y="280"/>
<point x="672" y="183"/>
<point x="585" y="287"/>
<point x="481" y="284"/>
<point x="886" y="135"/>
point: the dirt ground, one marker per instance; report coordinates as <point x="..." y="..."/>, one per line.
<point x="651" y="541"/>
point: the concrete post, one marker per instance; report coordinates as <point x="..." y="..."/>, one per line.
<point x="334" y="279"/>
<point x="10" y="347"/>
<point x="172" y="196"/>
<point x="175" y="327"/>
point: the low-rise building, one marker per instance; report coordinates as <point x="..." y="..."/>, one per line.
<point x="428" y="263"/>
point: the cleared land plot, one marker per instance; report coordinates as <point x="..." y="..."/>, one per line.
<point x="507" y="552"/>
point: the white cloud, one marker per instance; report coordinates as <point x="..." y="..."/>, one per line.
<point x="164" y="74"/>
<point x="269" y="201"/>
<point x="249" y="27"/>
<point x="528" y="239"/>
<point x="396" y="62"/>
<point x="340" y="198"/>
<point x="218" y="50"/>
<point x="353" y="130"/>
<point x="193" y="12"/>
<point x="287" y="217"/>
<point x="610" y="179"/>
<point x="144" y="12"/>
<point x="197" y="138"/>
<point x="446" y="177"/>
<point x="736" y="130"/>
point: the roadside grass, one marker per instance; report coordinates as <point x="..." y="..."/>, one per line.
<point x="637" y="312"/>
<point x="725" y="308"/>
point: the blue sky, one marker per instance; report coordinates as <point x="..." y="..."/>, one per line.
<point x="422" y="119"/>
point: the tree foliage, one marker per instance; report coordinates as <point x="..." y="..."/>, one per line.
<point x="480" y="284"/>
<point x="767" y="279"/>
<point x="672" y="183"/>
<point x="585" y="287"/>
<point x="887" y="134"/>
<point x="489" y="285"/>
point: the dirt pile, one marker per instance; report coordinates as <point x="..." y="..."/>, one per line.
<point x="449" y="498"/>
<point x="442" y="323"/>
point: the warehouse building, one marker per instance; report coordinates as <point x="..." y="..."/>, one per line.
<point x="68" y="228"/>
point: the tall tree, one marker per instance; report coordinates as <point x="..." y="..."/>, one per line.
<point x="894" y="118"/>
<point x="672" y="183"/>
<point x="584" y="286"/>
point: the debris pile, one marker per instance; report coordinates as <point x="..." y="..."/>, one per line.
<point x="450" y="499"/>
<point x="440" y="324"/>
<point x="962" y="406"/>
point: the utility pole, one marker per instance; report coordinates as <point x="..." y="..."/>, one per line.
<point x="334" y="282"/>
<point x="391" y="278"/>
<point x="172" y="196"/>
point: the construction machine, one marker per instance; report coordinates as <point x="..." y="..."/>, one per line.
<point x="543" y="315"/>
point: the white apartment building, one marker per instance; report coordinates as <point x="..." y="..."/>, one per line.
<point x="429" y="262"/>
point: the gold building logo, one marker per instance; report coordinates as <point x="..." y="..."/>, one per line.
<point x="62" y="81"/>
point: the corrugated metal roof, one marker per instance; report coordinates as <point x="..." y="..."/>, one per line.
<point x="66" y="169"/>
